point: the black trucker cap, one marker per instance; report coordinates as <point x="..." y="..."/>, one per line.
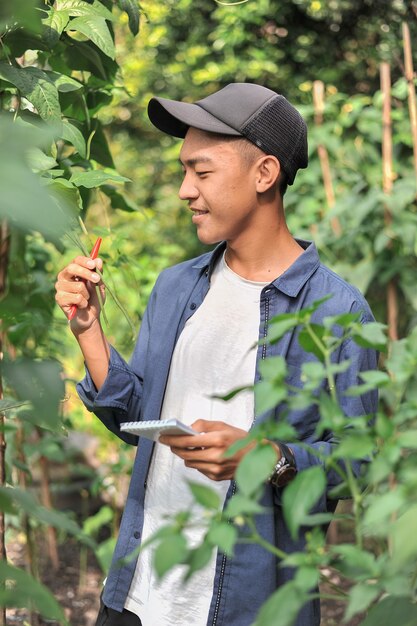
<point x="257" y="113"/>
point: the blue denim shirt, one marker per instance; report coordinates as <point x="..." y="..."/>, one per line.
<point x="135" y="391"/>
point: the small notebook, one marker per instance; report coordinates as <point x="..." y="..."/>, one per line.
<point x="152" y="429"/>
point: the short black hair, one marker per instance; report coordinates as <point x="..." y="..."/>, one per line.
<point x="250" y="153"/>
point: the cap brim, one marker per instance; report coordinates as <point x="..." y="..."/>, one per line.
<point x="175" y="118"/>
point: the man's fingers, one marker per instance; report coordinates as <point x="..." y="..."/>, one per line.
<point x="203" y="426"/>
<point x="83" y="270"/>
<point x="68" y="299"/>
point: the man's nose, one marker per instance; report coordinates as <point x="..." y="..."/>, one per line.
<point x="188" y="190"/>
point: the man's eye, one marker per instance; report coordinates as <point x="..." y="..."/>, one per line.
<point x="202" y="173"/>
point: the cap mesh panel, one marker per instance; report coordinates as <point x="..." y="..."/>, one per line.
<point x="279" y="129"/>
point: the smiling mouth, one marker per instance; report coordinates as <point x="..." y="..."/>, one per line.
<point x="199" y="212"/>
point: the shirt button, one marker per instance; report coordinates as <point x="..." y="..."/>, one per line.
<point x="193" y="306"/>
<point x="136" y="534"/>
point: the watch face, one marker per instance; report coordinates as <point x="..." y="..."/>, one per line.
<point x="287" y="476"/>
<point x="284" y="476"/>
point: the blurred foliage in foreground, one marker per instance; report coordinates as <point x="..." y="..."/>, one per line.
<point x="377" y="563"/>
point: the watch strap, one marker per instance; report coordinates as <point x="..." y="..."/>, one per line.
<point x="285" y="469"/>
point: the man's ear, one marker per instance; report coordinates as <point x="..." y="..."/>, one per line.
<point x="268" y="171"/>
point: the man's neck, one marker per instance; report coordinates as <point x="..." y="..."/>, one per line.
<point x="264" y="257"/>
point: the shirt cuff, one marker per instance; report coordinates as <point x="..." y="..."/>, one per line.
<point x="116" y="390"/>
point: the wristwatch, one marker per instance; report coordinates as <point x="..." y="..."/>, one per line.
<point x="286" y="469"/>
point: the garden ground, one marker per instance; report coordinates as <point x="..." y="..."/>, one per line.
<point x="80" y="598"/>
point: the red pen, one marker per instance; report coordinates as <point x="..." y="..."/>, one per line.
<point x="93" y="255"/>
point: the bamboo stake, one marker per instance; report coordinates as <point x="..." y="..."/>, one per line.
<point x="4" y="265"/>
<point x="318" y="100"/>
<point x="3" y="554"/>
<point x="387" y="178"/>
<point x="47" y="502"/>
<point x="409" y="75"/>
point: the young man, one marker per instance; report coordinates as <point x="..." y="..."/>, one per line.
<point x="199" y="337"/>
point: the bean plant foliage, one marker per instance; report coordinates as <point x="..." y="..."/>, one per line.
<point x="57" y="69"/>
<point x="376" y="564"/>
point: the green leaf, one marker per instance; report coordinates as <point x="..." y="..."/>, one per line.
<point x="279" y="326"/>
<point x="404" y="539"/>
<point x="120" y="200"/>
<point x="332" y="416"/>
<point x="268" y="395"/>
<point x="54" y="23"/>
<point x="34" y="84"/>
<point x="392" y="610"/>
<point x="285" y="603"/>
<point x="84" y="56"/>
<point x="224" y="535"/>
<point x="6" y="503"/>
<point x="40" y="383"/>
<point x="197" y="559"/>
<point x="104" y="553"/>
<point x="207" y="497"/>
<point x="273" y="368"/>
<point x="131" y="7"/>
<point x="301" y="495"/>
<point x="18" y="589"/>
<point x="234" y="392"/>
<point x="255" y="467"/>
<point x="99" y="149"/>
<point x="372" y="335"/>
<point x="23" y="201"/>
<point x="381" y="507"/>
<point x="74" y="136"/>
<point x="407" y="439"/>
<point x="171" y="551"/>
<point x="39" y="161"/>
<point x="372" y="380"/>
<point x="96" y="29"/>
<point x="313" y="374"/>
<point x="360" y="597"/>
<point x="80" y="8"/>
<point x="9" y="405"/>
<point x="344" y="320"/>
<point x="355" y="446"/>
<point x="241" y="505"/>
<point x="355" y="562"/>
<point x="27" y="502"/>
<point x="310" y="340"/>
<point x="64" y="193"/>
<point x="63" y="83"/>
<point x="43" y="95"/>
<point x="95" y="178"/>
<point x="19" y="41"/>
<point x="92" y="524"/>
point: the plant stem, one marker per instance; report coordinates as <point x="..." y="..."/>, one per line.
<point x="257" y="538"/>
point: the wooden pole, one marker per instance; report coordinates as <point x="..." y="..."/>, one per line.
<point x="47" y="502"/>
<point x="4" y="266"/>
<point x="409" y="75"/>
<point x="387" y="178"/>
<point x="318" y="100"/>
<point x="3" y="554"/>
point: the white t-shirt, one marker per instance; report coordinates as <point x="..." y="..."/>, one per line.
<point x="215" y="353"/>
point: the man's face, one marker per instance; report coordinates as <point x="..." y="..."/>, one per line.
<point x="219" y="187"/>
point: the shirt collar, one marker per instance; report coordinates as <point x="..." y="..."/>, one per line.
<point x="295" y="277"/>
<point x="290" y="282"/>
<point x="209" y="260"/>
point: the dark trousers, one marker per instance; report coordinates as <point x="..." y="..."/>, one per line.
<point x="110" y="617"/>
